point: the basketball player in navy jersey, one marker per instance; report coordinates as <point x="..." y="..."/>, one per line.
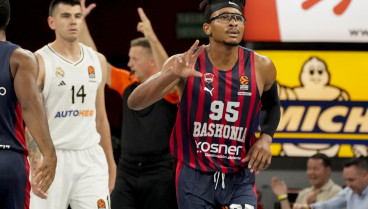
<point x="19" y="100"/>
<point x="224" y="88"/>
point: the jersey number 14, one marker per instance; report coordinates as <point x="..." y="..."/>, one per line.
<point x="80" y="93"/>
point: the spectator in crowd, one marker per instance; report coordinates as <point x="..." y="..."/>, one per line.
<point x="322" y="187"/>
<point x="355" y="195"/>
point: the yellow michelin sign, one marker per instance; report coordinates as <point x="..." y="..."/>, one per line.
<point x="324" y="103"/>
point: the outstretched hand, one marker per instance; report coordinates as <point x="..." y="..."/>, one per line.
<point x="259" y="154"/>
<point x="278" y="187"/>
<point x="86" y="10"/>
<point x="144" y="26"/>
<point x="184" y="64"/>
<point x="43" y="177"/>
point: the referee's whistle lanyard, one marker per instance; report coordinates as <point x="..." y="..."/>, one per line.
<point x="216" y="177"/>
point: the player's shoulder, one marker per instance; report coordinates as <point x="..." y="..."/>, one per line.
<point x="22" y="55"/>
<point x="100" y="56"/>
<point x="263" y="63"/>
<point x="262" y="59"/>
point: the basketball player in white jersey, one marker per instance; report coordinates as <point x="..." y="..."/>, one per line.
<point x="72" y="79"/>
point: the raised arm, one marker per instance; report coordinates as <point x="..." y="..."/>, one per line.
<point x="279" y="188"/>
<point x="86" y="38"/>
<point x="158" y="50"/>
<point x="24" y="67"/>
<point x="103" y="127"/>
<point x="174" y="73"/>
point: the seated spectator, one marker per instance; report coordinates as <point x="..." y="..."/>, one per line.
<point x="322" y="187"/>
<point x="355" y="195"/>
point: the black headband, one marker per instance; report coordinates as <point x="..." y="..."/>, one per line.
<point x="212" y="7"/>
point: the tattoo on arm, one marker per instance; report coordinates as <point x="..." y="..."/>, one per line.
<point x="39" y="88"/>
<point x="34" y="152"/>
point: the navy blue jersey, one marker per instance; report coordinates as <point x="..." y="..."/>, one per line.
<point x="217" y="116"/>
<point x="11" y="121"/>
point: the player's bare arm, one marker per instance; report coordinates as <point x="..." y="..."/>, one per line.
<point x="24" y="67"/>
<point x="260" y="155"/>
<point x="265" y="72"/>
<point x="102" y="124"/>
<point x="174" y="73"/>
<point x="34" y="156"/>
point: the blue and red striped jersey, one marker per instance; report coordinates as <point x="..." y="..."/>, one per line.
<point x="11" y="120"/>
<point x="217" y="116"/>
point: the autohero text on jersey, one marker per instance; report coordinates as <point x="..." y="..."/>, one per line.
<point x="74" y="113"/>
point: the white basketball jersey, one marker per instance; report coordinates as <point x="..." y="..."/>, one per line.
<point x="69" y="95"/>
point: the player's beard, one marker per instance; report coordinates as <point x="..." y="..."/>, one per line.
<point x="231" y="44"/>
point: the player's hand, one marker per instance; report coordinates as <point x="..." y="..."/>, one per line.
<point x="278" y="187"/>
<point x="259" y="155"/>
<point x="184" y="64"/>
<point x="45" y="174"/>
<point x="112" y="177"/>
<point x="312" y="197"/>
<point x="299" y="206"/>
<point x="37" y="191"/>
<point x="144" y="26"/>
<point x="86" y="10"/>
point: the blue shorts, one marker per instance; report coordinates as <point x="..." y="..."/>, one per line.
<point x="199" y="190"/>
<point x="14" y="184"/>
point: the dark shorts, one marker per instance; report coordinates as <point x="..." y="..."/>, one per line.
<point x="199" y="190"/>
<point x="145" y="184"/>
<point x="14" y="184"/>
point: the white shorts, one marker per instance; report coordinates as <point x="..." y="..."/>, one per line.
<point x="81" y="180"/>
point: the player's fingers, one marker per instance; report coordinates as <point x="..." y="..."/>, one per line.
<point x="196" y="74"/>
<point x="90" y="8"/>
<point x="179" y="59"/>
<point x="261" y="163"/>
<point x="249" y="154"/>
<point x="190" y="52"/>
<point x="139" y="27"/>
<point x="187" y="58"/>
<point x="265" y="161"/>
<point x="268" y="160"/>
<point x="38" y="177"/>
<point x="255" y="166"/>
<point x="142" y="15"/>
<point x="198" y="52"/>
<point x="252" y="161"/>
<point x="45" y="185"/>
<point x="37" y="191"/>
<point x="193" y="47"/>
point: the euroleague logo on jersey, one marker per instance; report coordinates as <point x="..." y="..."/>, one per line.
<point x="101" y="204"/>
<point x="2" y="91"/>
<point x="244" y="81"/>
<point x="91" y="72"/>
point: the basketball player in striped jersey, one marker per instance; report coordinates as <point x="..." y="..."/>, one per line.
<point x="224" y="88"/>
<point x="19" y="100"/>
<point x="72" y="79"/>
